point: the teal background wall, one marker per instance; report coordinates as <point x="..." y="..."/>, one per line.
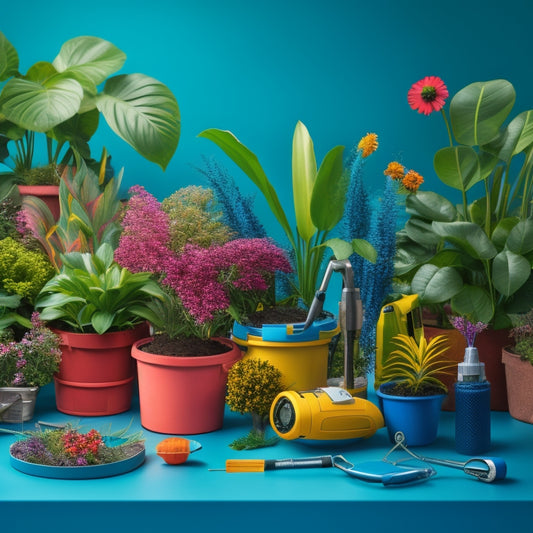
<point x="256" y="67"/>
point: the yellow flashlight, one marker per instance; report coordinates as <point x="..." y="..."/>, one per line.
<point x="328" y="413"/>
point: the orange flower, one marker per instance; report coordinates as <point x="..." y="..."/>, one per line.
<point x="412" y="180"/>
<point x="368" y="144"/>
<point x="395" y="170"/>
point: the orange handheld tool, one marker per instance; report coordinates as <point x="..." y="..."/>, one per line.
<point x="261" y="465"/>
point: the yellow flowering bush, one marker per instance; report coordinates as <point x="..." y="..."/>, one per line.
<point x="252" y="386"/>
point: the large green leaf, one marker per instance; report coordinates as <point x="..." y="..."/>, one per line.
<point x="421" y="231"/>
<point x="515" y="138"/>
<point x="247" y="161"/>
<point x="40" y="106"/>
<point x="344" y="249"/>
<point x="509" y="272"/>
<point x="457" y="167"/>
<point x="436" y="285"/>
<point x="303" y="180"/>
<point x="501" y="232"/>
<point x="410" y="255"/>
<point x="473" y="302"/>
<point x="144" y="113"/>
<point x="430" y="205"/>
<point x="329" y="192"/>
<point x="91" y="57"/>
<point x="520" y="240"/>
<point x="467" y="236"/>
<point x="478" y="111"/>
<point x="78" y="130"/>
<point x="9" y="60"/>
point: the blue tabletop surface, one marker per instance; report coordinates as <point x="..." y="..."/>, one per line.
<point x="157" y="495"/>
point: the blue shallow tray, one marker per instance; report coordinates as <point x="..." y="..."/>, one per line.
<point x="80" y="472"/>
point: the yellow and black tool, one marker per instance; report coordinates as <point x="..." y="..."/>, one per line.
<point x="402" y="316"/>
<point x="327" y="413"/>
<point x="262" y="465"/>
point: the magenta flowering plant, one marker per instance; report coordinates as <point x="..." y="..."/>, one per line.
<point x="32" y="361"/>
<point x="207" y="288"/>
<point x="468" y="329"/>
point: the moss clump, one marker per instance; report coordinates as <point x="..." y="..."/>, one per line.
<point x="46" y="175"/>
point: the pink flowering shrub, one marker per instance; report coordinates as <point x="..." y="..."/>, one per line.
<point x="230" y="279"/>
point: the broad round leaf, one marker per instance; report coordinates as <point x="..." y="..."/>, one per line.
<point x="473" y="302"/>
<point x="9" y="59"/>
<point x="91" y="57"/>
<point x="509" y="272"/>
<point x="40" y="107"/>
<point x="421" y="231"/>
<point x="520" y="240"/>
<point x="436" y="285"/>
<point x="430" y="205"/>
<point x="478" y="111"/>
<point x="457" y="167"/>
<point x="410" y="255"/>
<point x="144" y="113"/>
<point x="467" y="236"/>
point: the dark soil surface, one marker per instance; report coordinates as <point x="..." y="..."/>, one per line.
<point x="277" y="315"/>
<point x="184" y="347"/>
<point x="401" y="389"/>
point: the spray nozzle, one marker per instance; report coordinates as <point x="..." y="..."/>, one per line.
<point x="471" y="369"/>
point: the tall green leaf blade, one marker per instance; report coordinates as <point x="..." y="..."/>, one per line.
<point x="247" y="161"/>
<point x="303" y="180"/>
<point x="515" y="138"/>
<point x="329" y="192"/>
<point x="478" y="111"/>
<point x="40" y="107"/>
<point x="91" y="57"/>
<point x="457" y="167"/>
<point x="144" y="113"/>
<point x="9" y="59"/>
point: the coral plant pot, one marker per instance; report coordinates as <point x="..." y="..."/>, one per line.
<point x="96" y="372"/>
<point x="49" y="194"/>
<point x="183" y="395"/>
<point x="417" y="417"/>
<point x="519" y="376"/>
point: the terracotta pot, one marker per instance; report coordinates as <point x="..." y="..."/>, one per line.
<point x="49" y="194"/>
<point x="96" y="372"/>
<point x="183" y="395"/>
<point x="519" y="376"/>
<point x="489" y="344"/>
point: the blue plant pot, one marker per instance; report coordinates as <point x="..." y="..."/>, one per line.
<point x="417" y="417"/>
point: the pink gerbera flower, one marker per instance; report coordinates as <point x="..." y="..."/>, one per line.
<point x="427" y="95"/>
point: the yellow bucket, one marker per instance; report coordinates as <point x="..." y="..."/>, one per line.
<point x="303" y="365"/>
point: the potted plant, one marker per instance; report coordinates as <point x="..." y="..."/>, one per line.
<point x="319" y="197"/>
<point x="61" y="100"/>
<point x="412" y="394"/>
<point x="207" y="288"/>
<point x="97" y="308"/>
<point x="518" y="361"/>
<point x="26" y="365"/>
<point x="473" y="259"/>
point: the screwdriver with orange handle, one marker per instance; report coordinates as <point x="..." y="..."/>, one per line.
<point x="262" y="465"/>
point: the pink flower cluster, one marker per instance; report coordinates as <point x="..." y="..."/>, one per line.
<point x="143" y="245"/>
<point x="467" y="328"/>
<point x="205" y="279"/>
